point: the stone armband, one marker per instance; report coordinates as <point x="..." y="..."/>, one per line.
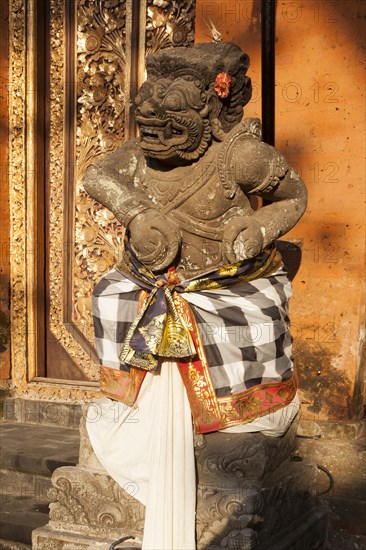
<point x="277" y="169"/>
<point x="130" y="209"/>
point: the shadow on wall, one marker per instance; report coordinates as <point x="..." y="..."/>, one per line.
<point x="327" y="390"/>
<point x="291" y="256"/>
<point x="4" y="331"/>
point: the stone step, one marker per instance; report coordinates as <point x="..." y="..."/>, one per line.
<point x="345" y="459"/>
<point x="19" y="515"/>
<point x="24" y="484"/>
<point x="37" y="449"/>
<point x="347" y="430"/>
<point x="343" y="540"/>
<point x="42" y="413"/>
<point x="345" y="462"/>
<point x="348" y="515"/>
<point x="11" y="545"/>
<point x="28" y="457"/>
<point x="62" y="540"/>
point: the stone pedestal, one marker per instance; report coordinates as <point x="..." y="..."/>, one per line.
<point x="250" y="494"/>
<point x="89" y="510"/>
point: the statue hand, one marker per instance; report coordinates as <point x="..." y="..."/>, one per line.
<point x="155" y="239"/>
<point x="243" y="239"/>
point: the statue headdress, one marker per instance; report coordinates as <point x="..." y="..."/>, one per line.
<point x="221" y="69"/>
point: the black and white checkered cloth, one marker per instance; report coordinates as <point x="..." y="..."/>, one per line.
<point x="244" y="328"/>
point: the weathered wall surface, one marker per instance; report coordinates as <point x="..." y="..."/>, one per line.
<point x="320" y="129"/>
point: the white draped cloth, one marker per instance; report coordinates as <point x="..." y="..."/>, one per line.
<point x="148" y="450"/>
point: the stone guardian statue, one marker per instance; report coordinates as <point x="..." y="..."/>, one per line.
<point x="193" y="321"/>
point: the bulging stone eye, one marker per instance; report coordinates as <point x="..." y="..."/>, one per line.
<point x="174" y="102"/>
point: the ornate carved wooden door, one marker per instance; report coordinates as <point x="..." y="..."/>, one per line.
<point x="74" y="66"/>
<point x="92" y="61"/>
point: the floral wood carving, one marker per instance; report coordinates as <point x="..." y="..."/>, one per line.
<point x="98" y="238"/>
<point x="101" y="78"/>
<point x="100" y="24"/>
<point x="101" y="93"/>
<point x="101" y="117"/>
<point x="17" y="189"/>
<point x="169" y="23"/>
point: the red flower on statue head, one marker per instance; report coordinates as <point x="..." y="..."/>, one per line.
<point x="222" y="85"/>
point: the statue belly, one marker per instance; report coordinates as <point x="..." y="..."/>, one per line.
<point x="197" y="204"/>
<point x="202" y="220"/>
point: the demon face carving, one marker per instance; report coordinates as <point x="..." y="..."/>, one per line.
<point x="172" y="115"/>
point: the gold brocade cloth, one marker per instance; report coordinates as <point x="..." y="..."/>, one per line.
<point x="159" y="329"/>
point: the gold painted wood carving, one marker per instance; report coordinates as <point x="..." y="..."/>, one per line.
<point x="90" y="86"/>
<point x="101" y="78"/>
<point x="22" y="31"/>
<point x="17" y="78"/>
<point x="169" y="23"/>
<point x="102" y="90"/>
<point x="60" y="242"/>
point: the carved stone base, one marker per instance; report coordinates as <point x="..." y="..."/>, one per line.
<point x="49" y="539"/>
<point x="250" y="494"/>
<point x="89" y="510"/>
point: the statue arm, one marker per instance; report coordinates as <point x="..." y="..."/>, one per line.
<point x="261" y="170"/>
<point x="288" y="204"/>
<point x="115" y="182"/>
<point x="111" y="182"/>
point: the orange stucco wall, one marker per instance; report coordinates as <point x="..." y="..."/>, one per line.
<point x="320" y="114"/>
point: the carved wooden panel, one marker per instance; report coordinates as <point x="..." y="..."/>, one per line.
<point x="94" y="74"/>
<point x="169" y="23"/>
<point x="74" y="66"/>
<point x="103" y="62"/>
